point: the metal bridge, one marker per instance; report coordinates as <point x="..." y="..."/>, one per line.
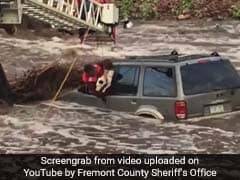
<point x="62" y="14"/>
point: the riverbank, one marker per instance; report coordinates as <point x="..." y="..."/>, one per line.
<point x="171" y="9"/>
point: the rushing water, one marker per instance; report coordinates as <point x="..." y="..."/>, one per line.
<point x="71" y="128"/>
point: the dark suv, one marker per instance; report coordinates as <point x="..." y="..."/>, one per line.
<point x="170" y="87"/>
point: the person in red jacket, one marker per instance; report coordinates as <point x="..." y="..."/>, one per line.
<point x="90" y="75"/>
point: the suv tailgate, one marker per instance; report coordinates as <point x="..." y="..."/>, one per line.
<point x="210" y="87"/>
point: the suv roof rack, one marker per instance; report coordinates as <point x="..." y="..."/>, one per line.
<point x="173" y="56"/>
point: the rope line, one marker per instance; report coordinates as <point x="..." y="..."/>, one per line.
<point x="65" y="79"/>
<point x="62" y="83"/>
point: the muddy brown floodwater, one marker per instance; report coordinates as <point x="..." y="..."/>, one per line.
<point x="72" y="128"/>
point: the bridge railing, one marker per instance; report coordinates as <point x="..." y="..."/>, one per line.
<point x="88" y="11"/>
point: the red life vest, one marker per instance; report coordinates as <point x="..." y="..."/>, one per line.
<point x="93" y="79"/>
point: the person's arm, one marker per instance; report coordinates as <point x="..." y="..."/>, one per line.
<point x="84" y="81"/>
<point x="84" y="78"/>
<point x="109" y="80"/>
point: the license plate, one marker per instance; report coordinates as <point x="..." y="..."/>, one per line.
<point x="216" y="109"/>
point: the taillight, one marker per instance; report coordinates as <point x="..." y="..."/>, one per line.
<point x="181" y="109"/>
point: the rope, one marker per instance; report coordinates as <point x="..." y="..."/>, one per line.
<point x="65" y="79"/>
<point x="85" y="35"/>
<point x="62" y="84"/>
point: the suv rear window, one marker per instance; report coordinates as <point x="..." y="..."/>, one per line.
<point x="159" y="82"/>
<point x="209" y="76"/>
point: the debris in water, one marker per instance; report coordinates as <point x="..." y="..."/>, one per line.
<point x="42" y="83"/>
<point x="6" y="95"/>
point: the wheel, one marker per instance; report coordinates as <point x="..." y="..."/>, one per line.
<point x="150" y="112"/>
<point x="149" y="116"/>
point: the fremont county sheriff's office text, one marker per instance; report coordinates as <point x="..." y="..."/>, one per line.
<point x="174" y="172"/>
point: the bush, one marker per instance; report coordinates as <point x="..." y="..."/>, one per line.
<point x="236" y="12"/>
<point x="148" y="8"/>
<point x="138" y="8"/>
<point x="184" y="5"/>
<point x="126" y="6"/>
<point x="170" y="8"/>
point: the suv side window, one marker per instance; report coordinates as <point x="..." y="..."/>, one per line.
<point x="125" y="81"/>
<point x="159" y="82"/>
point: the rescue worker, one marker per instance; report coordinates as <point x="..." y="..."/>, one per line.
<point x="112" y="28"/>
<point x="90" y="75"/>
<point x="102" y="2"/>
<point x="97" y="78"/>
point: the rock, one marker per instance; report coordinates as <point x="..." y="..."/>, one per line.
<point x="209" y="19"/>
<point x="220" y="18"/>
<point x="4" y="107"/>
<point x="184" y="16"/>
<point x="217" y="26"/>
<point x="56" y="39"/>
<point x="237" y="29"/>
<point x="186" y="11"/>
<point x="128" y="25"/>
